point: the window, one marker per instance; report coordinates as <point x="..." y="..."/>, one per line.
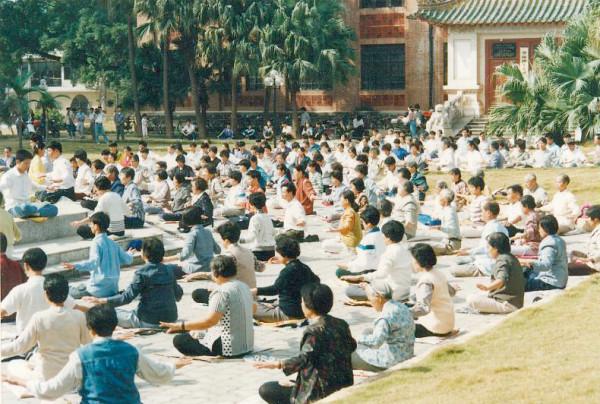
<point x="254" y="83"/>
<point x="382" y="67"/>
<point x="318" y="83"/>
<point x="380" y="3"/>
<point x="46" y="69"/>
<point x="504" y="50"/>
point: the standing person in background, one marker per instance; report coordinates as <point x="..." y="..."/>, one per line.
<point x="99" y="126"/>
<point x="70" y="123"/>
<point x="145" y="126"/>
<point x="119" y="119"/>
<point x="92" y="119"/>
<point x="80" y="123"/>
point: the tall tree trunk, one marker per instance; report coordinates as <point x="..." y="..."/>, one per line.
<point x="203" y="99"/>
<point x="295" y="119"/>
<point x="131" y="43"/>
<point x="194" y="90"/>
<point x="165" y="86"/>
<point x="234" y="106"/>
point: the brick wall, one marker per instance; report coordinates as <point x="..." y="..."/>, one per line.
<point x="384" y="25"/>
<point x="383" y="100"/>
<point x="314" y="100"/>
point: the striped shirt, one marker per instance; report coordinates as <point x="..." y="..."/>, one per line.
<point x="476" y="208"/>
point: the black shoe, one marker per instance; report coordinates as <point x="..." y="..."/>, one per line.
<point x="277" y="223"/>
<point x="311" y="238"/>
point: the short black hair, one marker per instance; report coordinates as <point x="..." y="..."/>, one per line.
<point x="162" y="175"/>
<point x="517" y="189"/>
<point x="236" y="176"/>
<point x="192" y="216"/>
<point x="179" y="177"/>
<point x="317" y="297"/>
<point x="408" y="187"/>
<point x="98" y="164"/>
<point x="22" y="155"/>
<point x="35" y="258"/>
<point x="370" y="215"/>
<point x="385" y="208"/>
<point x="80" y="154"/>
<point x="455" y="171"/>
<point x="362" y="169"/>
<point x="393" y="230"/>
<point x="224" y="266"/>
<point x="180" y="159"/>
<point x="3" y="243"/>
<point x="290" y="187"/>
<point x="112" y="169"/>
<point x="201" y="184"/>
<point x="593" y="212"/>
<point x="113" y="144"/>
<point x="56" y="287"/>
<point x="244" y="163"/>
<point x="101" y="219"/>
<point x="338" y="175"/>
<point x="549" y="224"/>
<point x="128" y="172"/>
<point x="229" y="231"/>
<point x="477" y="182"/>
<point x="528" y="201"/>
<point x="254" y="174"/>
<point x="492" y="207"/>
<point x="404" y="173"/>
<point x="258" y="200"/>
<point x="500" y="242"/>
<point x="287" y="247"/>
<point x="359" y="184"/>
<point x="423" y="253"/>
<point x="153" y="250"/>
<point x="55" y="146"/>
<point x="389" y="160"/>
<point x="102" y="183"/>
<point x="102" y="319"/>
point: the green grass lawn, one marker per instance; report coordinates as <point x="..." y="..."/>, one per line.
<point x="544" y="354"/>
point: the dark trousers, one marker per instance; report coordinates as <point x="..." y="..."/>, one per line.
<point x="274" y="393"/>
<point x="190" y="346"/>
<point x="422" y="332"/>
<point x="201" y="295"/>
<point x="264" y="255"/>
<point x="89" y="204"/>
<point x="533" y="284"/>
<point x="297" y="235"/>
<point x="512" y="230"/>
<point x="53" y="197"/>
<point x="132" y="222"/>
<point x="85" y="232"/>
<point x="171" y="216"/>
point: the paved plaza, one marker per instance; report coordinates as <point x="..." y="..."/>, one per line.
<point x="236" y="381"/>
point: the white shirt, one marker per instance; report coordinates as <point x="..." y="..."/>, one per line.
<point x="541" y="159"/>
<point x="447" y="160"/>
<point x="16" y="187"/>
<point x="62" y="170"/>
<point x="493" y="226"/>
<point x="294" y="213"/>
<point x="396" y="269"/>
<point x="564" y="206"/>
<point x="84" y="182"/>
<point x="71" y="376"/>
<point x="114" y="206"/>
<point x="475" y="161"/>
<point x="369" y="251"/>
<point x="235" y="197"/>
<point x="572" y="158"/>
<point x="261" y="232"/>
<point x="99" y="117"/>
<point x="170" y="160"/>
<point x="450" y="224"/>
<point x="540" y="195"/>
<point x="27" y="299"/>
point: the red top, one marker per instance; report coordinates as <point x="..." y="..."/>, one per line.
<point x="11" y="274"/>
<point x="304" y="193"/>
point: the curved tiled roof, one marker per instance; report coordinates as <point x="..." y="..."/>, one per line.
<point x="493" y="12"/>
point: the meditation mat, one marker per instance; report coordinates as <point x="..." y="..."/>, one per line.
<point x="352" y="302"/>
<point x="438" y="340"/>
<point x="285" y="323"/>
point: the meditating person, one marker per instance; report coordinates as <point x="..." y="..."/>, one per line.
<point x="17" y="188"/>
<point x="294" y="275"/>
<point x="506" y="291"/>
<point x="84" y="181"/>
<point x="586" y="263"/>
<point x="370" y="249"/>
<point x="156" y="286"/>
<point x="528" y="241"/>
<point x="104" y="262"/>
<point x="305" y="194"/>
<point x="563" y="206"/>
<point x="56" y="332"/>
<point x="446" y="212"/>
<point x="550" y="269"/>
<point x="160" y="197"/>
<point x="109" y="203"/>
<point x="475" y="208"/>
<point x="513" y="213"/>
<point x="235" y="199"/>
<point x="479" y="262"/>
<point x="132" y="199"/>
<point x="433" y="295"/>
<point x="228" y="323"/>
<point x="294" y="219"/>
<point x="60" y="180"/>
<point x="418" y="180"/>
<point x="406" y="209"/>
<point x="199" y="246"/>
<point x="11" y="273"/>
<point x="261" y="233"/>
<point x="179" y="202"/>
<point x="394" y="266"/>
<point x="534" y="189"/>
<point x="324" y="362"/>
<point x="104" y="370"/>
<point x="392" y="338"/>
<point x="350" y="232"/>
<point x="39" y="164"/>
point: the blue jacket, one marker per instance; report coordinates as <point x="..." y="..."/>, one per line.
<point x="552" y="263"/>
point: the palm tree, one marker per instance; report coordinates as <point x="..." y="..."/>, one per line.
<point x="19" y="89"/>
<point x="307" y="40"/>
<point x="161" y="26"/>
<point x="48" y="102"/>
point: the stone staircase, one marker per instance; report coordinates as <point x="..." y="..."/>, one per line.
<point x="478" y="125"/>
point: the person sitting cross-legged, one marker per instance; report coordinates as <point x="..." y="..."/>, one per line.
<point x="505" y="293"/>
<point x="103" y="371"/>
<point x="294" y="275"/>
<point x="550" y="269"/>
<point x="228" y="323"/>
<point x="324" y="363"/>
<point x="392" y="338"/>
<point x="156" y="286"/>
<point x="586" y="263"/>
<point x="449" y="225"/>
<point x="261" y="233"/>
<point x="133" y="199"/>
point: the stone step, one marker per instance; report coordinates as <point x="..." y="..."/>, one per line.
<point x="73" y="249"/>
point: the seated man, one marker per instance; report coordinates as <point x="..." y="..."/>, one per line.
<point x="60" y="180"/>
<point x="449" y="226"/>
<point x="475" y="208"/>
<point x="532" y="188"/>
<point x="572" y="156"/>
<point x="17" y="188"/>
<point x="505" y="293"/>
<point x="550" y="270"/>
<point x="586" y="263"/>
<point x="226" y="133"/>
<point x="188" y="130"/>
<point x="103" y="369"/>
<point x="294" y="220"/>
<point x="563" y="206"/>
<point x="132" y="199"/>
<point x="228" y="324"/>
<point x="249" y="132"/>
<point x="104" y="262"/>
<point x="418" y="180"/>
<point x="513" y="215"/>
<point x="156" y="286"/>
<point x="235" y="200"/>
<point x="57" y="331"/>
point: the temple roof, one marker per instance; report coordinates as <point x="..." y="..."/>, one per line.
<point x="494" y="12"/>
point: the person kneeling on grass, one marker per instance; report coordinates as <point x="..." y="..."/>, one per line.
<point x="287" y="286"/>
<point x="324" y="362"/>
<point x="505" y="293"/>
<point x="156" y="286"/>
<point x="433" y="295"/>
<point x="228" y="324"/>
<point x="550" y="270"/>
<point x="392" y="338"/>
<point x="103" y="371"/>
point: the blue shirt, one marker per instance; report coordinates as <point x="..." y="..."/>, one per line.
<point x="104" y="266"/>
<point x="199" y="249"/>
<point x="552" y="263"/>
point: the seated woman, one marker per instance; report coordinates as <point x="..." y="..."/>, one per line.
<point x="261" y="233"/>
<point x="324" y="362"/>
<point x="550" y="270"/>
<point x="133" y="199"/>
<point x="156" y="286"/>
<point x="181" y="199"/>
<point x="475" y="208"/>
<point x="228" y="324"/>
<point x="349" y="227"/>
<point x="588" y="263"/>
<point x="406" y="209"/>
<point x="287" y="286"/>
<point x="452" y="242"/>
<point x="160" y="196"/>
<point x="392" y="338"/>
<point x="433" y="295"/>
<point x="527" y="242"/>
